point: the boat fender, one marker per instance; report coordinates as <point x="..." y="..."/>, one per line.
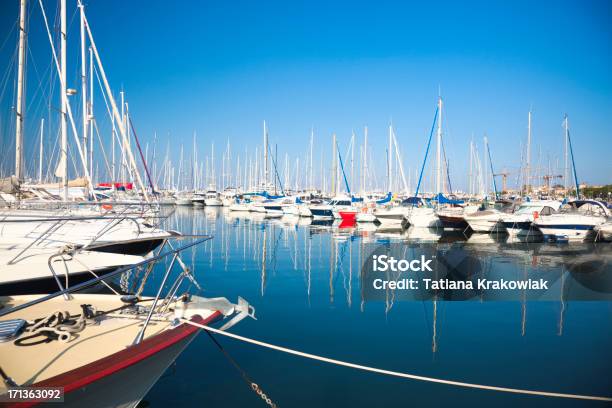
<point x="536" y="215"/>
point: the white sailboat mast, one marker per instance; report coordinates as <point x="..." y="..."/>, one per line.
<point x="528" y="158"/>
<point x="287" y="170"/>
<point x="297" y="174"/>
<point x="389" y="161"/>
<point x="40" y="152"/>
<point x="63" y="90"/>
<point x="122" y="127"/>
<point x="180" y="173"/>
<point x="90" y="116"/>
<point x="265" y="148"/>
<point x="311" y="186"/>
<point x="113" y="165"/>
<point x="398" y="157"/>
<point x="20" y="94"/>
<point x="334" y="172"/>
<point x="471" y="173"/>
<point x="364" y="168"/>
<point x="566" y="164"/>
<point x="212" y="165"/>
<point x="84" y="83"/>
<point x="194" y="165"/>
<point x="439" y="147"/>
<point x="353" y="160"/>
<point x="123" y="144"/>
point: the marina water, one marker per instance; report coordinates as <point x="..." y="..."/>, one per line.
<point x="304" y="282"/>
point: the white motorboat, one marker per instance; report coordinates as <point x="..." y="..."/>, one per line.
<point x="339" y="203"/>
<point x="183" y="199"/>
<point x="239" y="205"/>
<point x="392" y="216"/>
<point x="257" y="206"/>
<point x="365" y="217"/>
<point x="39" y="270"/>
<point x="304" y="210"/>
<point x="323" y="211"/>
<point x="423" y="217"/>
<point x="320" y="210"/>
<point x="520" y="222"/>
<point x="486" y="221"/>
<point x="292" y="206"/>
<point x="604" y="232"/>
<point x="575" y="221"/>
<point x="104" y="232"/>
<point x="197" y="199"/>
<point x="212" y="199"/>
<point x="291" y="209"/>
<point x="273" y="208"/>
<point x="228" y="196"/>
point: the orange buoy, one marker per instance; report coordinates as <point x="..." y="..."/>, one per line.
<point x="536" y="215"/>
<point x="107" y="206"/>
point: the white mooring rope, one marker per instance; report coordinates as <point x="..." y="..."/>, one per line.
<point x="396" y="373"/>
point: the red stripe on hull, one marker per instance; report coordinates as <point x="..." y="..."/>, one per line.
<point x="89" y="373"/>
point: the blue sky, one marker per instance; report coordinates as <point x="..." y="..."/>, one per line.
<point x="220" y="68"/>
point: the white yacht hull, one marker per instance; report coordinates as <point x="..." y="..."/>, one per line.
<point x="213" y="202"/>
<point x="423" y="218"/>
<point x="292" y="209"/>
<point x="304" y="211"/>
<point x="485" y="222"/>
<point x="239" y="207"/>
<point x="572" y="227"/>
<point x="392" y="217"/>
<point x="604" y="232"/>
<point x="365" y="217"/>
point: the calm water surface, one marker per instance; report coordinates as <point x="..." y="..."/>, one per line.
<point x="303" y="281"/>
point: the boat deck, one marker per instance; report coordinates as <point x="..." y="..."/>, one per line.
<point x="112" y="333"/>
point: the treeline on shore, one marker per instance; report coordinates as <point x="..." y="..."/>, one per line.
<point x="603" y="192"/>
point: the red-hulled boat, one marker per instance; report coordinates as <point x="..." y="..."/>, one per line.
<point x="348" y="215"/>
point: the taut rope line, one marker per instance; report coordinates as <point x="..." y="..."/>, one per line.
<point x="397" y="373"/>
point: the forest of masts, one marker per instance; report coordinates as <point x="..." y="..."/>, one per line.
<point x="104" y="146"/>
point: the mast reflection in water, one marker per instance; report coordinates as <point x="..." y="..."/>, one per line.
<point x="303" y="278"/>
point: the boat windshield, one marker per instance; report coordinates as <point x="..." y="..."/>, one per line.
<point x="527" y="209"/>
<point x="340" y="202"/>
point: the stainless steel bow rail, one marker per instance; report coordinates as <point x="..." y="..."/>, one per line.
<point x="148" y="262"/>
<point x="396" y="373"/>
<point x="58" y="222"/>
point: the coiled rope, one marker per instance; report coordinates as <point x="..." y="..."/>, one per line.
<point x="59" y="325"/>
<point x="396" y="373"/>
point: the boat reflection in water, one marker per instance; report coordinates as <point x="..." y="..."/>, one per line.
<point x="304" y="276"/>
<point x="577" y="271"/>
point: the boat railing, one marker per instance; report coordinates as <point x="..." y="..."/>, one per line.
<point x="59" y="222"/>
<point x="148" y="263"/>
<point x="54" y="227"/>
<point x="109" y="227"/>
